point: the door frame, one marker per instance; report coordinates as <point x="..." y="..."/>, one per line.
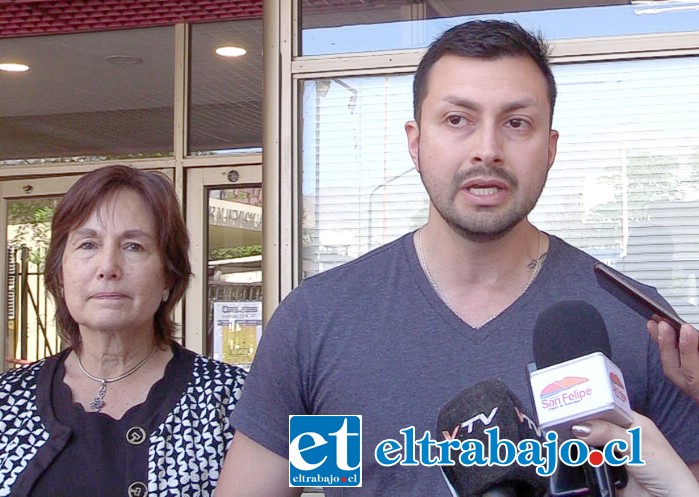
<point x="198" y="181"/>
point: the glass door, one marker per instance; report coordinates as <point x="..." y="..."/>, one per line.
<point x="223" y="308"/>
<point x="28" y="329"/>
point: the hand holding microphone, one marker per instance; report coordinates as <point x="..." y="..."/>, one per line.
<point x="663" y="475"/>
<point x="575" y="381"/>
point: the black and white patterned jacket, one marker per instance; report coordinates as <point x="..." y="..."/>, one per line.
<point x="183" y="447"/>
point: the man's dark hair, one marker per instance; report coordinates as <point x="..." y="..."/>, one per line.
<point x="485" y="39"/>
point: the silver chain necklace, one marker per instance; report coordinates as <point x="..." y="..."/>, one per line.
<point x="534" y="265"/>
<point x="98" y="402"/>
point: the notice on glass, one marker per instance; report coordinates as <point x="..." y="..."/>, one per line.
<point x="237" y="331"/>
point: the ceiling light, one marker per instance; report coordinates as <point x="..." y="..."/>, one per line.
<point x="13" y="67"/>
<point x="123" y="59"/>
<point x="231" y="51"/>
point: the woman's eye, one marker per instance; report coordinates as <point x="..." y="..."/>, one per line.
<point x="86" y="246"/>
<point x="134" y="247"/>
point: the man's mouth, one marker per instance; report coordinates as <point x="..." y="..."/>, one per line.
<point x="483" y="190"/>
<point x="483" y="187"/>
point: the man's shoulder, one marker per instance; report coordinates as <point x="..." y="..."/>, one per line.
<point x="571" y="258"/>
<point x="353" y="284"/>
<point x="369" y="265"/>
<point x="568" y="251"/>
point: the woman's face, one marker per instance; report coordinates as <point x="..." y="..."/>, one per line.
<point x="113" y="275"/>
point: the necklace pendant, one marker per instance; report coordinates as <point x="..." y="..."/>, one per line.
<point x="98" y="402"/>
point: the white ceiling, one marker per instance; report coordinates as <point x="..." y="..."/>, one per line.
<point x="73" y="86"/>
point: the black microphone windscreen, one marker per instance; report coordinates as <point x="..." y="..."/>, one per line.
<point x="567" y="330"/>
<point x="486" y="405"/>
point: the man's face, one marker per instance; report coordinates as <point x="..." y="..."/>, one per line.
<point x="484" y="145"/>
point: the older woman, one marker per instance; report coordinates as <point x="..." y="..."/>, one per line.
<point x="125" y="410"/>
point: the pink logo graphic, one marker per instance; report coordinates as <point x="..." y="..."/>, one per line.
<point x="616" y="380"/>
<point x="562" y="385"/>
<point x="618" y="387"/>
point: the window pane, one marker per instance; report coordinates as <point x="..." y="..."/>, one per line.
<point x="93" y="96"/>
<point x="226" y="97"/>
<point x="343" y="26"/>
<point x="624" y="188"/>
<point x="360" y="189"/>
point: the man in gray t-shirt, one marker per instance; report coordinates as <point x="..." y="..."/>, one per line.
<point x="387" y="347"/>
<point x="395" y="334"/>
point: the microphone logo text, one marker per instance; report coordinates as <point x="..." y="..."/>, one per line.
<point x="564" y="392"/>
<point x="482" y="417"/>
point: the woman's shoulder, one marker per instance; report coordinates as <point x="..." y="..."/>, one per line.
<point x="214" y="382"/>
<point x="19" y="386"/>
<point x="21" y="377"/>
<point x="214" y="368"/>
<point x="207" y="370"/>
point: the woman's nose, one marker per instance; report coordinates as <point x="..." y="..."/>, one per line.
<point x="110" y="266"/>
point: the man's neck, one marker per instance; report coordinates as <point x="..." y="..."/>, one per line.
<point x="479" y="279"/>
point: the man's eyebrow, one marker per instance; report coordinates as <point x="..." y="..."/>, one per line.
<point x="509" y="107"/>
<point x="519" y="104"/>
<point x="462" y="102"/>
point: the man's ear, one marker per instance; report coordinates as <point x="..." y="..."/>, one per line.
<point x="553" y="146"/>
<point x="412" y="131"/>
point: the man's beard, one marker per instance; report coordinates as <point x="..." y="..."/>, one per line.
<point x="485" y="225"/>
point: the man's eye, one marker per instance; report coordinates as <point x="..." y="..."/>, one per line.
<point x="456" y="120"/>
<point x="517" y="123"/>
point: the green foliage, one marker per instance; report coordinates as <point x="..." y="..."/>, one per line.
<point x="234" y="252"/>
<point x="250" y="196"/>
<point x="31" y="223"/>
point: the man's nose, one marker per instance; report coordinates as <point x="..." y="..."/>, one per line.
<point x="486" y="146"/>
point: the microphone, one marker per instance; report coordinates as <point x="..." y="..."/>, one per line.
<point x="487" y="405"/>
<point x="576" y="381"/>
